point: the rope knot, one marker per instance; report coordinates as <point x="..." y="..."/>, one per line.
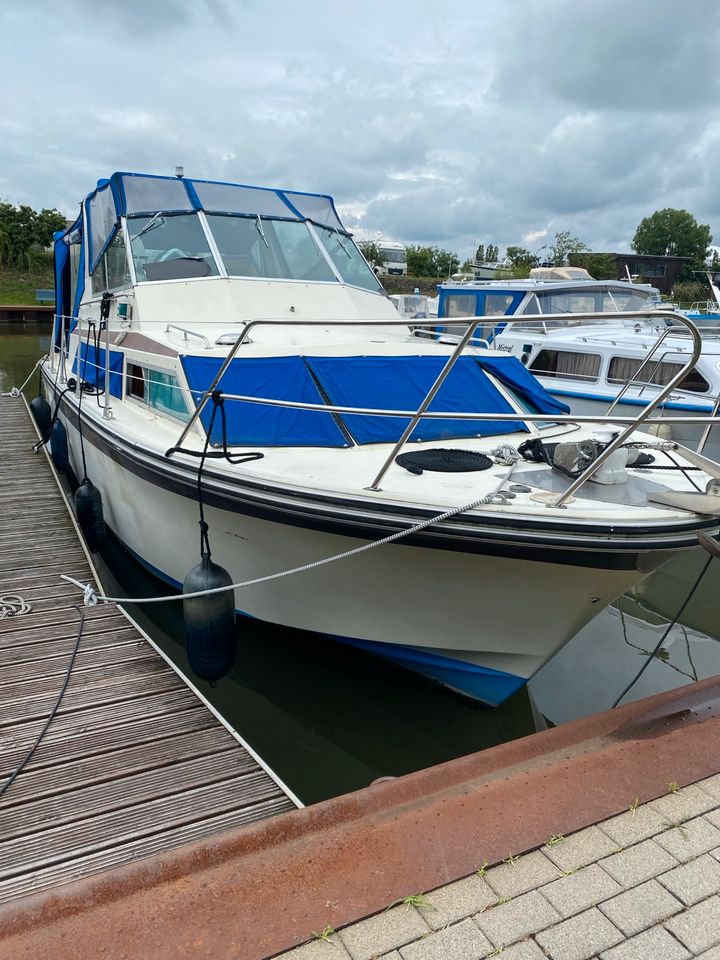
<point x="217" y="398"/>
<point x="90" y="598"/>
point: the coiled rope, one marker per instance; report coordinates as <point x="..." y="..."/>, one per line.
<point x="90" y="597"/>
<point x="12" y="605"/>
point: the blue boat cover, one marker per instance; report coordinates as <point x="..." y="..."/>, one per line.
<point x="511" y="373"/>
<point x="92" y="367"/>
<point x="401" y="383"/>
<point x="273" y="378"/>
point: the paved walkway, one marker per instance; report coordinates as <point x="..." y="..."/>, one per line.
<point x="644" y="885"/>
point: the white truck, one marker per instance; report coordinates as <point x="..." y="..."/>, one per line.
<point x="392" y="258"/>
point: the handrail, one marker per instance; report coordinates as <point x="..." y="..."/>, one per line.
<point x="628" y="383"/>
<point x="472" y="323"/>
<point x="429" y="396"/>
<point x="186" y="331"/>
<point x="644" y="413"/>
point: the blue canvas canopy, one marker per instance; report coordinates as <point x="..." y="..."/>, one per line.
<point x="401" y="383"/>
<point x="514" y="375"/>
<point x="380" y="383"/>
<point x="273" y="378"/>
<point x="91" y="367"/>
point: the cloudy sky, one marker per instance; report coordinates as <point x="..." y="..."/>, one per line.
<point x="450" y="124"/>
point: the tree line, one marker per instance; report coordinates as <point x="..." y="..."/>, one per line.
<point x="26" y="233"/>
<point x="667" y="232"/>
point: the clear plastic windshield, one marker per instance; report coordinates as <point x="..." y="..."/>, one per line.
<point x="348" y="260"/>
<point x="277" y="249"/>
<point x="168" y="247"/>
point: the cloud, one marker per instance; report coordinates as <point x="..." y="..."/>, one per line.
<point x="502" y="124"/>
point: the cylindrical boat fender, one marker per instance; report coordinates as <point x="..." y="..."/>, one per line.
<point x="210" y="640"/>
<point x="59" y="446"/>
<point x="42" y="415"/>
<point x="89" y="512"/>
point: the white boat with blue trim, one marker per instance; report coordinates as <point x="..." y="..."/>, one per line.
<point x="618" y="362"/>
<point x="179" y="300"/>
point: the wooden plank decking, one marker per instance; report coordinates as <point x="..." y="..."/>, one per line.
<point x="134" y="763"/>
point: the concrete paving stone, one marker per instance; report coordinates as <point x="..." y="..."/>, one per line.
<point x="456" y="901"/>
<point x="641" y="907"/>
<point x="711" y="786"/>
<point x="693" y="881"/>
<point x="690" y="839"/>
<point x="526" y="873"/>
<point x="634" y="825"/>
<point x="686" y="803"/>
<point x="713" y="817"/>
<point x="393" y="955"/>
<point x="581" y="890"/>
<point x="698" y="927"/>
<point x="384" y="932"/>
<point x="461" y="941"/>
<point x="712" y="954"/>
<point x="527" y="950"/>
<point x="653" y="944"/>
<point x="580" y="849"/>
<point x="516" y="919"/>
<point x="580" y="937"/>
<point x="639" y="863"/>
<point x="331" y="949"/>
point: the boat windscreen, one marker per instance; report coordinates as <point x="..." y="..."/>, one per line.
<point x="348" y="260"/>
<point x="166" y="247"/>
<point x="277" y="249"/>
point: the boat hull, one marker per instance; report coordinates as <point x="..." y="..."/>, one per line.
<point x="476" y="621"/>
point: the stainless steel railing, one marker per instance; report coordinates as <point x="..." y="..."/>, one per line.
<point x="471" y="324"/>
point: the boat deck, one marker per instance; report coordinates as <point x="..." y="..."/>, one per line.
<point x="134" y="763"/>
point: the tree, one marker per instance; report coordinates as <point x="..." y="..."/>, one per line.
<point x="521" y="260"/>
<point x="492" y="253"/>
<point x="430" y="261"/>
<point x="674" y="233"/>
<point x="24" y="232"/>
<point x="480" y="253"/>
<point x="368" y="248"/>
<point x="564" y="245"/>
<point x="601" y="266"/>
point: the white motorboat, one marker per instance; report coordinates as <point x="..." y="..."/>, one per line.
<point x="618" y="362"/>
<point x="180" y="301"/>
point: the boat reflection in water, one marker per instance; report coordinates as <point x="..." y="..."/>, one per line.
<point x="593" y="669"/>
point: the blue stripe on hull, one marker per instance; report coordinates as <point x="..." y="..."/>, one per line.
<point x="481" y="683"/>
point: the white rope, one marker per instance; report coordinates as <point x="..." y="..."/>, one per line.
<point x="17" y="391"/>
<point x="12" y="605"/>
<point x="90" y="597"/>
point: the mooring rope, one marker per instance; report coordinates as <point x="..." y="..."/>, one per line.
<point x="90" y="597"/>
<point x="12" y="605"/>
<point x="15" y="392"/>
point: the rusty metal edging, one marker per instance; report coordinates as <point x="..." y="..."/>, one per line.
<point x="252" y="892"/>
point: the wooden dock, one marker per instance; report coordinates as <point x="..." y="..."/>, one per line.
<point x="134" y="763"/>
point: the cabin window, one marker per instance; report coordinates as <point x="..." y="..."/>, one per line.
<point x="460" y="305"/>
<point x="350" y="263"/>
<point x="116" y="267"/>
<point x="277" y="249"/>
<point x="657" y="373"/>
<point x="99" y="278"/>
<point x="168" y="247"/>
<point x="497" y="304"/>
<point x="156" y="388"/>
<point x="567" y="365"/>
